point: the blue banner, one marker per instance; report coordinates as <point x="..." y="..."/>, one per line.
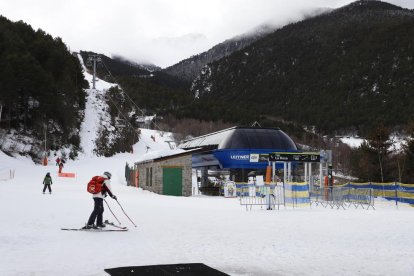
<point x="245" y="158"/>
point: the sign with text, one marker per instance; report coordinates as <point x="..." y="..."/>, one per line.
<point x="295" y="157"/>
<point x="256" y="157"/>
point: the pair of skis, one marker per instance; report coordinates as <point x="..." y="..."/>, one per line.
<point x="119" y="228"/>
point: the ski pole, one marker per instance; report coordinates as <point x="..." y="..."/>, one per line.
<point x="125" y="213"/>
<point x="111" y="211"/>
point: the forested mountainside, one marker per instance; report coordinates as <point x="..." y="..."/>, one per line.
<point x="167" y="96"/>
<point x="345" y="70"/>
<point x="41" y="86"/>
<point x="190" y="68"/>
<point x="153" y="91"/>
<point x="115" y="66"/>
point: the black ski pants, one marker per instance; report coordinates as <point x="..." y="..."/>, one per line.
<point x="47" y="186"/>
<point x="97" y="212"/>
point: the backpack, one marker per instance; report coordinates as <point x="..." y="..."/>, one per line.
<point x="95" y="184"/>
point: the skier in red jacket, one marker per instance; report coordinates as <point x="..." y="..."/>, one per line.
<point x="97" y="213"/>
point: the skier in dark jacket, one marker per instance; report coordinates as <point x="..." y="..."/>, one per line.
<point x="97" y="213"/>
<point x="47" y="181"/>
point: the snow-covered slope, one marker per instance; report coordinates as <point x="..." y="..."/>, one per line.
<point x="355" y="142"/>
<point x="96" y="117"/>
<point x="95" y="112"/>
<point x="212" y="230"/>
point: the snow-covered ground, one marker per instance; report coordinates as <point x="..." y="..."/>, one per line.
<point x="212" y="230"/>
<point x="95" y="114"/>
<point x="355" y="142"/>
<point x="199" y="229"/>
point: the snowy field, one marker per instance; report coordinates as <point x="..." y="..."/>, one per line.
<point x="211" y="230"/>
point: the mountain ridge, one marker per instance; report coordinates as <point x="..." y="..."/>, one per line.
<point x="189" y="68"/>
<point x="358" y="56"/>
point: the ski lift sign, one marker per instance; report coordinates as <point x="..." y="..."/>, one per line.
<point x="295" y="157"/>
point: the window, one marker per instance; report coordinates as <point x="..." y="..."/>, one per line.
<point x="148" y="179"/>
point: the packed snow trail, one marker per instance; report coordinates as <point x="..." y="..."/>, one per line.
<point x="95" y="114"/>
<point x="200" y="229"/>
<point x="215" y="231"/>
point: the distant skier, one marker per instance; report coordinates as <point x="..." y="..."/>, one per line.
<point x="57" y="161"/>
<point x="60" y="167"/>
<point x="47" y="181"/>
<point x="97" y="213"/>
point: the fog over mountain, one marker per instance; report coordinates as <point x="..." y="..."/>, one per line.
<point x="142" y="31"/>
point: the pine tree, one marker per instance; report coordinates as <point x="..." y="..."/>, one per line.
<point x="379" y="141"/>
<point x="408" y="148"/>
<point x="364" y="164"/>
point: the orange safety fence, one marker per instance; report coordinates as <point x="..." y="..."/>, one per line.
<point x="66" y="174"/>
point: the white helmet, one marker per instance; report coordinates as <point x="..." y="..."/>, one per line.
<point x="108" y="174"/>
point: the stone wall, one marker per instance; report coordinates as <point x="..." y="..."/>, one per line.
<point x="183" y="162"/>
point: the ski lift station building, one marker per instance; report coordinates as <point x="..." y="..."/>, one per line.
<point x="234" y="153"/>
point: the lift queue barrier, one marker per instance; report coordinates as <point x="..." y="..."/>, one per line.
<point x="394" y="191"/>
<point x="267" y="196"/>
<point x="342" y="197"/>
<point x="271" y="195"/>
<point x="297" y="194"/>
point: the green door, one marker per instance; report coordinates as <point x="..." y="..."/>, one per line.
<point x="172" y="181"/>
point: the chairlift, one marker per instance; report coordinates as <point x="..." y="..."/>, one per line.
<point x="119" y="122"/>
<point x="119" y="96"/>
<point x="89" y="62"/>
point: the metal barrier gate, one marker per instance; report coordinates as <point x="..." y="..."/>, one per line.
<point x="342" y="197"/>
<point x="268" y="196"/>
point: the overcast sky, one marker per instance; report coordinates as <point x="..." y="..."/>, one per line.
<point x="161" y="32"/>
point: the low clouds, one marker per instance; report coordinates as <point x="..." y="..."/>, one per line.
<point x="162" y="32"/>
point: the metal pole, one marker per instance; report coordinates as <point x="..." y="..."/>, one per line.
<point x="310" y="173"/>
<point x="320" y="175"/>
<point x="306" y="171"/>
<point x="284" y="182"/>
<point x="111" y="211"/>
<point x="94" y="72"/>
<point x="44" y="158"/>
<point x="45" y="139"/>
<point x="396" y="195"/>
<point x="124" y="212"/>
<point x="290" y="171"/>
